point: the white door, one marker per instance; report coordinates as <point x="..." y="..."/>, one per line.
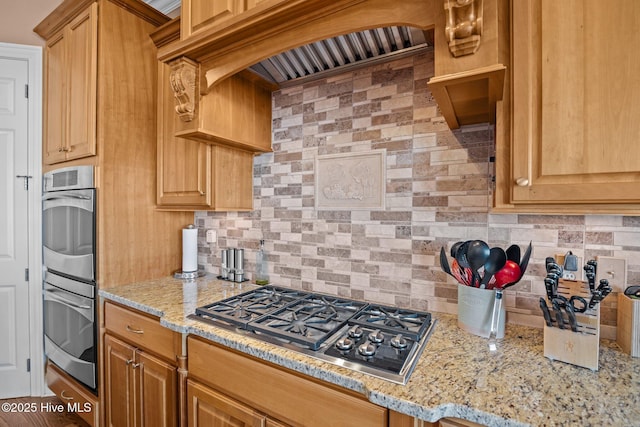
<point x="14" y="234"/>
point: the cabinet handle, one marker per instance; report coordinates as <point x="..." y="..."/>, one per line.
<point x="135" y="365"/>
<point x="129" y="361"/>
<point x="62" y="396"/>
<point x="134" y="331"/>
<point x="522" y="182"/>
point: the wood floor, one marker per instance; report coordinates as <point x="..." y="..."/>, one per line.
<point x="37" y="412"/>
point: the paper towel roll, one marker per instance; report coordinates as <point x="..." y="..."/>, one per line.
<point x="189" y="249"/>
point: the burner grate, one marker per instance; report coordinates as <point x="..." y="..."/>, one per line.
<point x="248" y="306"/>
<point x="395" y="320"/>
<point x="309" y="321"/>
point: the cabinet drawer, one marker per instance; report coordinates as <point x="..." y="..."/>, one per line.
<point x="281" y="394"/>
<point x="74" y="396"/>
<point x="142" y="331"/>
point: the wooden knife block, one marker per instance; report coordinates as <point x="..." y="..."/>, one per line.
<point x="628" y="333"/>
<point x="580" y="348"/>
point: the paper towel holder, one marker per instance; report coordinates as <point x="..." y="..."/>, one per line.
<point x="188" y="275"/>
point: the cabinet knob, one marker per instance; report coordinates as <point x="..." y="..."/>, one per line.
<point x="522" y="182"/>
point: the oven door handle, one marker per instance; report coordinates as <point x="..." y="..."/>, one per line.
<point x="71" y="303"/>
<point x="49" y="295"/>
<point x="70" y="196"/>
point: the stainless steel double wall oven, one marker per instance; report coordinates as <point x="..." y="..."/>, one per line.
<point x="69" y="256"/>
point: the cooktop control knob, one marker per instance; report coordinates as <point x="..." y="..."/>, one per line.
<point x="376" y="336"/>
<point x="344" y="344"/>
<point x="399" y="342"/>
<point x="367" y="349"/>
<point x="355" y="332"/>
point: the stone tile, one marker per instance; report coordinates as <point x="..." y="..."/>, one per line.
<point x="436" y="194"/>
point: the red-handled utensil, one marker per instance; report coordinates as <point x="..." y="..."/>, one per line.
<point x="508" y="274"/>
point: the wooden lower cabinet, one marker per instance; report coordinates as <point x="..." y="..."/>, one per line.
<point x="141" y="369"/>
<point x="141" y="389"/>
<point x="246" y="390"/>
<point x="76" y="398"/>
<point x="207" y="407"/>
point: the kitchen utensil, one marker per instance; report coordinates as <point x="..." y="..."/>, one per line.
<point x="573" y="324"/>
<point x="513" y="253"/>
<point x="632" y="291"/>
<point x="495" y="262"/>
<point x="495" y="320"/>
<point x="454" y="248"/>
<point x="477" y="255"/>
<point x="551" y="288"/>
<point x="509" y="274"/>
<point x="590" y="273"/>
<point x="561" y="303"/>
<point x="461" y="255"/>
<point x="599" y="294"/>
<point x="570" y="262"/>
<point x="580" y="307"/>
<point x="458" y="272"/>
<point x="525" y="261"/>
<point x="545" y="312"/>
<point x="444" y="264"/>
<point x="549" y="262"/>
<point x="558" y="313"/>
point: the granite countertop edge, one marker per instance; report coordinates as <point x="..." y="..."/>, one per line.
<point x="449" y="348"/>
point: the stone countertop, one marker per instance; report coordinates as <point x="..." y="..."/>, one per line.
<point x="456" y="376"/>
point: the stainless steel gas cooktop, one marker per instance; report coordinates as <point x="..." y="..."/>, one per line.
<point x="382" y="341"/>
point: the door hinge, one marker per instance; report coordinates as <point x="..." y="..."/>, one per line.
<point x="26" y="91"/>
<point x="26" y="180"/>
<point x="26" y="274"/>
<point x="28" y="365"/>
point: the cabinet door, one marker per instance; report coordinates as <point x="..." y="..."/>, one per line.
<point x="232" y="178"/>
<point x="208" y="408"/>
<point x="157" y="385"/>
<point x="119" y="382"/>
<point x="82" y="49"/>
<point x="183" y="166"/>
<point x="199" y="14"/>
<point x="576" y="102"/>
<point x="55" y="101"/>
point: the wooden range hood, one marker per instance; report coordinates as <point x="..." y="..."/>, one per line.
<point x="208" y="53"/>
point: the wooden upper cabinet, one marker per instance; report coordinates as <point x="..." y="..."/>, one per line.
<point x="576" y="103"/>
<point x="471" y="53"/>
<point x="183" y="165"/>
<point x="201" y="14"/>
<point x="235" y="112"/>
<point x="71" y="87"/>
<point x="214" y="172"/>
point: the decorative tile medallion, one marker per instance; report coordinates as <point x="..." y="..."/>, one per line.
<point x="351" y="181"/>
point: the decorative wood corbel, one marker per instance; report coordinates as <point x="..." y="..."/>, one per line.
<point x="184" y="79"/>
<point x="463" y="26"/>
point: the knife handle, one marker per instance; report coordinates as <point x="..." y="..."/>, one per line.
<point x="572" y="317"/>
<point x="545" y="312"/>
<point x="558" y="312"/>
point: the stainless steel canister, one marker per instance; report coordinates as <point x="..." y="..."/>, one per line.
<point x="231" y="264"/>
<point x="239" y="259"/>
<point x="224" y="264"/>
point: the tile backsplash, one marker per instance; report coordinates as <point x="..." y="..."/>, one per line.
<point x="438" y="191"/>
